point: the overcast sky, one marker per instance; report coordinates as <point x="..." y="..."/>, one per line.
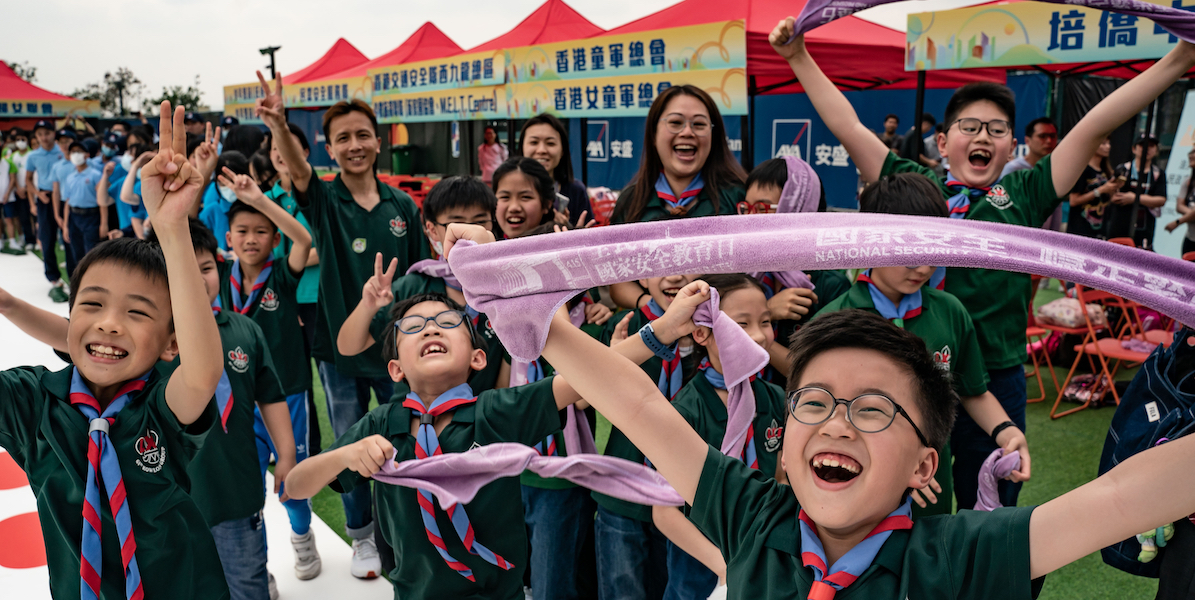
<point x="169" y="42"/>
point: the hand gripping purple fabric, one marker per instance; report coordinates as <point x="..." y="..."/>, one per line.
<point x="457" y="477"/>
<point x="1178" y="22"/>
<point x="997" y="466"/>
<point x="741" y="358"/>
<point x="520" y="283"/>
<point x="801" y="194"/>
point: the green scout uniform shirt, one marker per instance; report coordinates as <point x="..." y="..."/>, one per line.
<point x="699" y="404"/>
<point x="703" y="206"/>
<point x="414" y="284"/>
<point x="48" y="438"/>
<point x="276" y="312"/>
<point x="618" y="444"/>
<point x="523" y="415"/>
<point x="227" y="479"/>
<point x="752" y="519"/>
<point x="308" y="292"/>
<point x="347" y="238"/>
<point x="998" y="301"/>
<point x="943" y="325"/>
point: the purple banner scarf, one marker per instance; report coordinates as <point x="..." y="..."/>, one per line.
<point x="741" y="358"/>
<point x="520" y="283"/>
<point x="1176" y="21"/>
<point x="457" y="477"/>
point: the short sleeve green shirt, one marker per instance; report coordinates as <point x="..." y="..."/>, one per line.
<point x="699" y="404"/>
<point x="943" y="325"/>
<point x="308" y="292"/>
<point x="703" y="206"/>
<point x="226" y="478"/>
<point x="998" y="301"/>
<point x="276" y="312"/>
<point x="347" y="238"/>
<point x="48" y="439"/>
<point x="753" y="520"/>
<point x="523" y="415"/>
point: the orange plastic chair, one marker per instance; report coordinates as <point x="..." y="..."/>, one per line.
<point x="1101" y="350"/>
<point x="1123" y="241"/>
<point x="1039" y="334"/>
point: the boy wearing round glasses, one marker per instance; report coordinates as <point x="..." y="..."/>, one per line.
<point x="977" y="142"/>
<point x="480" y="551"/>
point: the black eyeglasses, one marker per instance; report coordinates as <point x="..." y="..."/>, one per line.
<point x="997" y="128"/>
<point x="487" y="223"/>
<point x="869" y="413"/>
<point x="449" y="319"/>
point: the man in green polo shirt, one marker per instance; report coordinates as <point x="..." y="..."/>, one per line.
<point x="977" y="142"/>
<point x="354" y="217"/>
<point x="124" y="319"/>
<point x="431" y="344"/>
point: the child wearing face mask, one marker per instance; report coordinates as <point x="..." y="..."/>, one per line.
<point x="215" y="214"/>
<point x="81" y="220"/>
<point x="23" y="209"/>
<point x="130" y="191"/>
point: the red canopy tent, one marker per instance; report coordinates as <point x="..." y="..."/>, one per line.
<point x="342" y="55"/>
<point x="554" y="21"/>
<point x="426" y="43"/>
<point x="855" y="54"/>
<point x="14" y="90"/>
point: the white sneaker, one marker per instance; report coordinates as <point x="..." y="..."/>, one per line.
<point x="307" y="560"/>
<point x="273" y="587"/>
<point x="366" y="562"/>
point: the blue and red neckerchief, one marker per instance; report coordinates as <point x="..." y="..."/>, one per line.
<point x="716" y="379"/>
<point x="828" y="581"/>
<point x="910" y="304"/>
<point x="938" y="279"/>
<point x="104" y="466"/>
<point x="224" y="399"/>
<point x="426" y="445"/>
<point x="960" y="202"/>
<point x="258" y="285"/>
<point x="675" y="205"/>
<point x="671" y="378"/>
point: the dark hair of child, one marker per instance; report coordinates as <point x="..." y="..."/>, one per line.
<point x="400" y="310"/>
<point x="263" y="169"/>
<point x="296" y="131"/>
<point x="129" y="252"/>
<point x="773" y="173"/>
<point x="193" y="142"/>
<point x="202" y="239"/>
<point x="458" y="192"/>
<point x="544" y="186"/>
<point x="234" y="160"/>
<point x="855" y="328"/>
<point x="903" y="194"/>
<point x="245" y="139"/>
<point x="969" y="94"/>
<point x="240" y="208"/>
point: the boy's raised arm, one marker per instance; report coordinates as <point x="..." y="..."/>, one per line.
<point x="169" y="186"/>
<point x="1075" y="150"/>
<point x="1146" y="491"/>
<point x="41" y="325"/>
<point x="247" y="191"/>
<point x="272" y="111"/>
<point x="836" y="111"/>
<point x="355" y="337"/>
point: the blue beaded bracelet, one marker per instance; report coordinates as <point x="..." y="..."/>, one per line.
<point x="648" y="335"/>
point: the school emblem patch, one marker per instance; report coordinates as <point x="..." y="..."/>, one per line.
<point x="152" y="455"/>
<point x="942" y="358"/>
<point x="998" y="197"/>
<point x="269" y="300"/>
<point x="774" y="436"/>
<point x="359" y="245"/>
<point x="398" y="227"/>
<point x="238" y="360"/>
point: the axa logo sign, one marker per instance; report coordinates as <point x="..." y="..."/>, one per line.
<point x="597" y="141"/>
<point x="792" y="137"/>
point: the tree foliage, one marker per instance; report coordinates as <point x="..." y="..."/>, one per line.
<point x="189" y="96"/>
<point x="118" y="92"/>
<point x="24" y="70"/>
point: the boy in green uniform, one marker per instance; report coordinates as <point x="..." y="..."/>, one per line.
<point x="146" y="428"/>
<point x="257" y="286"/>
<point x="850" y="468"/>
<point x="226" y="483"/>
<point x="900" y="294"/>
<point x="431" y="345"/>
<point x="977" y="142"/>
<point x="354" y="217"/>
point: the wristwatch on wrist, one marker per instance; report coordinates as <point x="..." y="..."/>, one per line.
<point x="648" y="335"/>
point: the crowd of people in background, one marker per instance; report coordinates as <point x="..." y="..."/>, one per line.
<point x="344" y="278"/>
